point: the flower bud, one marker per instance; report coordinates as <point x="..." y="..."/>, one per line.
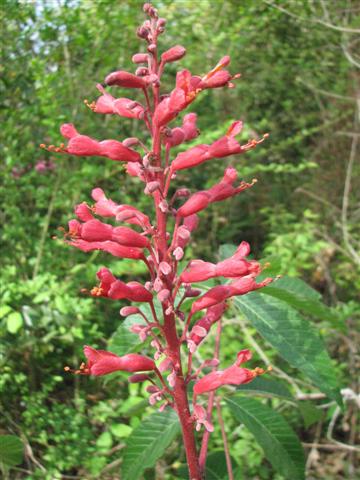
<point x="163" y="295"/>
<point x="178" y="253"/>
<point x="152" y="48"/>
<point x="151" y="187"/>
<point x="130" y="142"/>
<point x="138" y="378"/>
<point x="142" y="32"/>
<point x="140" y="58"/>
<point x="173" y="54"/>
<point x="142" y="71"/>
<point x="165" y="268"/>
<point x="161" y="22"/>
<point x="127" y="311"/>
<point x="158" y="284"/>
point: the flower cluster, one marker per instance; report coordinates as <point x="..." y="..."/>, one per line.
<point x="161" y="243"/>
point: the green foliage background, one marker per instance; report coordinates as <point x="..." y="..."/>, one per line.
<point x="298" y="84"/>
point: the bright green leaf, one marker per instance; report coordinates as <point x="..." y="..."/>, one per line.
<point x="148" y="442"/>
<point x="14" y="322"/>
<point x="121" y="430"/>
<point x="104" y="441"/>
<point x="280" y="444"/>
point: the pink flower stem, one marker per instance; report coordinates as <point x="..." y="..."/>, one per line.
<point x="206" y="436"/>
<point x="226" y="445"/>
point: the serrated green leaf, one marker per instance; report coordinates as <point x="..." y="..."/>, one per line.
<point x="301" y="296"/>
<point x="280" y="444"/>
<point x="148" y="442"/>
<point x="14" y="322"/>
<point x="264" y="386"/>
<point x="293" y="337"/>
<point x="11" y="450"/>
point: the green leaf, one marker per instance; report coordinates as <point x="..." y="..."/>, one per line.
<point x="301" y="296"/>
<point x="280" y="444"/>
<point x="264" y="386"/>
<point x="293" y="337"/>
<point x="104" y="441"/>
<point x="310" y="413"/>
<point x="121" y="430"/>
<point x="11" y="450"/>
<point x="216" y="466"/>
<point x="14" y="322"/>
<point x="148" y="442"/>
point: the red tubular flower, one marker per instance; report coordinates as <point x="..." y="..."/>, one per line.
<point x="220" y="293"/>
<point x="101" y="362"/>
<point x="126" y="213"/>
<point x="216" y="193"/>
<point x="234" y="375"/>
<point x="115" y="289"/>
<point x="223" y="147"/>
<point x="96" y="231"/>
<point x="82" y="145"/>
<point x="124" y="107"/>
<point x="126" y="80"/>
<point x="234" y="266"/>
<point x="113" y="248"/>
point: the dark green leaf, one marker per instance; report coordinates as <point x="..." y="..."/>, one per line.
<point x="148" y="442"/>
<point x="293" y="337"/>
<point x="264" y="386"/>
<point x="301" y="296"/>
<point x="280" y="444"/>
<point x="216" y="466"/>
<point x="11" y="450"/>
<point x="310" y="413"/>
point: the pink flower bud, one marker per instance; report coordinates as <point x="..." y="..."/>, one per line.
<point x="165" y="268"/>
<point x="140" y="58"/>
<point x="142" y="71"/>
<point x="83" y="212"/>
<point x="127" y="311"/>
<point x="138" y="378"/>
<point x="158" y="284"/>
<point x="125" y="79"/>
<point x="173" y="54"/>
<point x="151" y="187"/>
<point x="152" y="48"/>
<point x="163" y="295"/>
<point x="178" y="253"/>
<point x="163" y="205"/>
<point x="130" y="142"/>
